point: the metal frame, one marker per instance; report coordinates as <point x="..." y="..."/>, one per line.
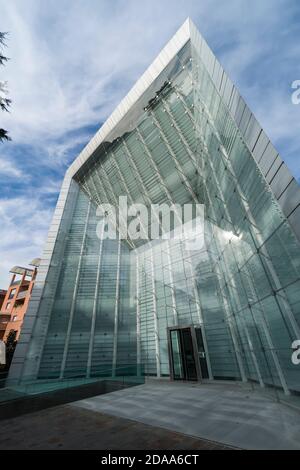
<point x="116" y="320"/>
<point x="155" y="319"/>
<point x="73" y="305"/>
<point x="94" y="313"/>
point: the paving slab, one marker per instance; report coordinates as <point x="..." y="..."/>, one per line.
<point x="234" y="415"/>
<point x="67" y="427"/>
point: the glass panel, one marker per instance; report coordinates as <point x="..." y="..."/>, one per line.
<point x="176" y="354"/>
<point x="188" y="354"/>
<point x="201" y="354"/>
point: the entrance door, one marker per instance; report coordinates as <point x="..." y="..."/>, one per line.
<point x="201" y="354"/>
<point x="184" y="364"/>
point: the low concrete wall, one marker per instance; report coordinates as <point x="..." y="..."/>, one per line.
<point x="31" y="403"/>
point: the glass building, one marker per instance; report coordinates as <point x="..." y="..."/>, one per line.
<point x="228" y="309"/>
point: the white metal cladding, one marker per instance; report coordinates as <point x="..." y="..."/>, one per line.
<point x="276" y="173"/>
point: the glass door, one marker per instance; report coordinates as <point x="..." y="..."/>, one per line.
<point x="177" y="364"/>
<point x="183" y="354"/>
<point x="201" y="354"/>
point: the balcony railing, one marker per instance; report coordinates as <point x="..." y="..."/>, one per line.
<point x="21" y="295"/>
<point x="4" y="317"/>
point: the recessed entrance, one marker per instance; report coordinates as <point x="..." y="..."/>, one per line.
<point x="187" y="356"/>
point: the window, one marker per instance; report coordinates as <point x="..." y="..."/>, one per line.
<point x="8" y="305"/>
<point x="12" y="293"/>
<point x="15" y="318"/>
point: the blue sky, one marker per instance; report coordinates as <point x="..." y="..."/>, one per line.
<point x="73" y="60"/>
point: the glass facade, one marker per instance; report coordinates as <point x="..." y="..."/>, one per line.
<point x="109" y="303"/>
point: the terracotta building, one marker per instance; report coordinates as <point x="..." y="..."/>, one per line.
<point x="16" y="300"/>
<point x="2" y="296"/>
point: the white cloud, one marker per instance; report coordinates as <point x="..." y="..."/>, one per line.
<point x="9" y="169"/>
<point x="59" y="75"/>
<point x="71" y="65"/>
<point x="24" y="225"/>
